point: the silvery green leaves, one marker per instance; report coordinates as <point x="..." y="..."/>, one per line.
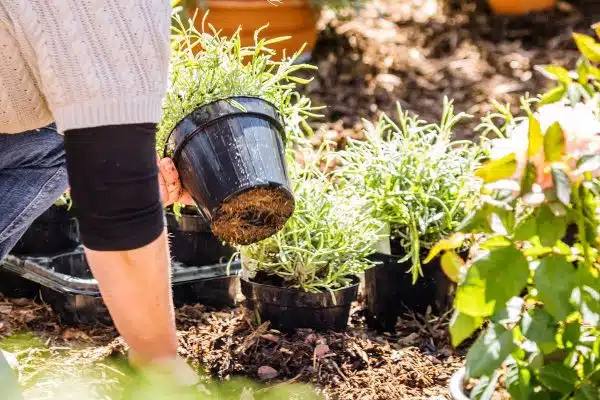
<point x="206" y="67"/>
<point x="415" y="178"/>
<point x="325" y="244"/>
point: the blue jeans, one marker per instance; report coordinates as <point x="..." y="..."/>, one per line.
<point x="33" y="175"/>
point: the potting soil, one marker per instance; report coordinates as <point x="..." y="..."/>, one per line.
<point x="253" y="215"/>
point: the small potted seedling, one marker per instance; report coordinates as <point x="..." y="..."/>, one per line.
<point x="296" y="19"/>
<point x="420" y="184"/>
<point x="225" y="120"/>
<point x="306" y="275"/>
<point x="534" y="291"/>
<point x="55" y="231"/>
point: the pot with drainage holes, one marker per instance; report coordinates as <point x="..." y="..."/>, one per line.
<point x="230" y="158"/>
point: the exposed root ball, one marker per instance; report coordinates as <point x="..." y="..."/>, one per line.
<point x="253" y="216"/>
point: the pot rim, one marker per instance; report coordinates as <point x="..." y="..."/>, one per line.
<point x="288" y="289"/>
<point x="277" y="112"/>
<point x="456" y="386"/>
<point x="257" y="4"/>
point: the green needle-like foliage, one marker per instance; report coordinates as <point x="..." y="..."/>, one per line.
<point x="415" y="178"/>
<point x="324" y="244"/>
<point x="206" y="67"/>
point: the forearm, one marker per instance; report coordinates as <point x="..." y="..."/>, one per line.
<point x="136" y="287"/>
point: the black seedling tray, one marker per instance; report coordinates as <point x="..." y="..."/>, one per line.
<point x="66" y="283"/>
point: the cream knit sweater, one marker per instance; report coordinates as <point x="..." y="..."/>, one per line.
<point x="82" y="63"/>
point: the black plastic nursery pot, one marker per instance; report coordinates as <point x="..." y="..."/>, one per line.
<point x="69" y="287"/>
<point x="230" y="157"/>
<point x="53" y="232"/>
<point x="389" y="291"/>
<point x="192" y="241"/>
<point x="289" y="309"/>
<point x="16" y="287"/>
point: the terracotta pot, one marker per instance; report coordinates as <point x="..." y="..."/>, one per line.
<point x="519" y="7"/>
<point x="295" y="18"/>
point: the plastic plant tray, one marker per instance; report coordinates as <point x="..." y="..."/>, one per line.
<point x="68" y="286"/>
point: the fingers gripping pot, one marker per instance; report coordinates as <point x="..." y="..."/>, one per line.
<point x="230" y="157"/>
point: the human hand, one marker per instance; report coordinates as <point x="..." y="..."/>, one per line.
<point x="171" y="190"/>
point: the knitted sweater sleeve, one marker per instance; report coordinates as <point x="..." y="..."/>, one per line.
<point x="90" y="62"/>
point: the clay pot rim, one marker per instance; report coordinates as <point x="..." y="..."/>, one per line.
<point x="256" y="4"/>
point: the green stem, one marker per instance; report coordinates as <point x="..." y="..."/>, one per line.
<point x="581" y="224"/>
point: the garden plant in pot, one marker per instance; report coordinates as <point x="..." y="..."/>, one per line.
<point x="535" y="289"/>
<point x="296" y="19"/>
<point x="306" y="275"/>
<point x="224" y="120"/>
<point x="420" y="184"/>
<point x="55" y="231"/>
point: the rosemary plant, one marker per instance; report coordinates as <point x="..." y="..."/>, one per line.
<point x="324" y="244"/>
<point x="416" y="179"/>
<point x="206" y="67"/>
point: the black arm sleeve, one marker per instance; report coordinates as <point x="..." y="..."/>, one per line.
<point x="114" y="185"/>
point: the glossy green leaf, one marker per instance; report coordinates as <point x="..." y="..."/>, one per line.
<point x="570" y="334"/>
<point x="535" y="360"/>
<point x="539" y="327"/>
<point x="528" y="179"/>
<point x="553" y="95"/>
<point x="489" y="351"/>
<point x="588" y="47"/>
<point x="536" y="138"/>
<point x="495" y="241"/>
<point x="452" y="265"/>
<point x="518" y="382"/>
<point x="475" y="222"/>
<point x="511" y="314"/>
<point x="562" y="185"/>
<point x="554" y="143"/>
<point x="550" y="228"/>
<point x="587" y="300"/>
<point x="558" y="377"/>
<point x="452" y="243"/>
<point x="462" y="327"/>
<point x="495" y="170"/>
<point x="557" y="73"/>
<point x="486" y="387"/>
<point x="583" y="70"/>
<point x="587" y="392"/>
<point x="526" y="228"/>
<point x="555" y="280"/>
<point x="491" y="281"/>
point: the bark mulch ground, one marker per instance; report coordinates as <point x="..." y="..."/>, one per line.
<point x="416" y="363"/>
<point x="416" y="52"/>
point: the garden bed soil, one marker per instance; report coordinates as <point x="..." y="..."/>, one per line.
<point x="416" y="52"/>
<point x="417" y="363"/>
